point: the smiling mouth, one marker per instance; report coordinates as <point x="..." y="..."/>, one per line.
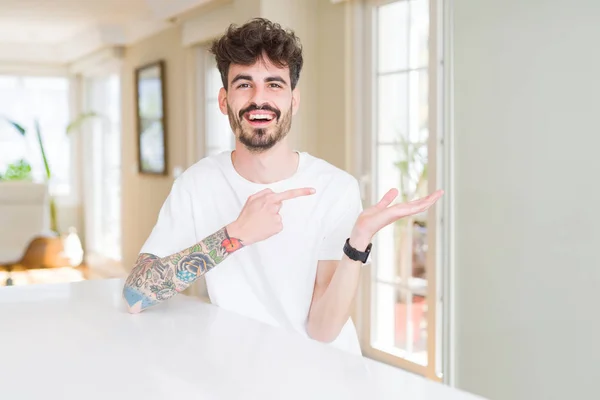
<point x="259" y="120"/>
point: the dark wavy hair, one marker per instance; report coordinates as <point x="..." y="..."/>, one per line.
<point x="245" y="44"/>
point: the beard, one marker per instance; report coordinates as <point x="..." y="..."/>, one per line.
<point x="258" y="140"/>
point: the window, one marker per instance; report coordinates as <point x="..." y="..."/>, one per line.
<point x="102" y="169"/>
<point x="403" y="297"/>
<point x="24" y="99"/>
<point x="217" y="133"/>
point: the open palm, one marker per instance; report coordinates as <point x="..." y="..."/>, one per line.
<point x="374" y="218"/>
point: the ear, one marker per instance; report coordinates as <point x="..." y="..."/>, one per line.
<point x="295" y="100"/>
<point x="223" y="100"/>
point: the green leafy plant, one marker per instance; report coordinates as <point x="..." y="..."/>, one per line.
<point x="73" y="125"/>
<point x="17" y="171"/>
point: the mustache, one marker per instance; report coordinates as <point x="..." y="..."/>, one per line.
<point x="253" y="107"/>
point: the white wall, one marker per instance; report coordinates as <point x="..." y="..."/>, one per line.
<point x="527" y="137"/>
<point x="331" y="81"/>
<point x="208" y="24"/>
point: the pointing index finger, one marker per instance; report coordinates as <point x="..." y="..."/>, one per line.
<point x="293" y="193"/>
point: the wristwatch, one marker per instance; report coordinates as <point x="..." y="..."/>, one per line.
<point x="357" y="255"/>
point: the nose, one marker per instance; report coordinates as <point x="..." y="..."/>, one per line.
<point x="259" y="96"/>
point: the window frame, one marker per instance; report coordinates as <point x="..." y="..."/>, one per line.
<point x="93" y="191"/>
<point x="438" y="263"/>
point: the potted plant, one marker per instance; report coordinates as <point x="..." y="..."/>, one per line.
<point x="70" y="241"/>
<point x="75" y="124"/>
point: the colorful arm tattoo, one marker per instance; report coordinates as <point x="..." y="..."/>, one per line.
<point x="155" y="279"/>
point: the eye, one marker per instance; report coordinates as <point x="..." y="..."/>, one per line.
<point x="275" y="85"/>
<point x="243" y="85"/>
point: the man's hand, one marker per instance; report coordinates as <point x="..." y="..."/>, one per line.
<point x="382" y="214"/>
<point x="337" y="281"/>
<point x="259" y="218"/>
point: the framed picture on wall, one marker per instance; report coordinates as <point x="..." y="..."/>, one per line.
<point x="151" y="118"/>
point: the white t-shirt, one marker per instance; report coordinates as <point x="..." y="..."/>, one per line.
<point x="272" y="280"/>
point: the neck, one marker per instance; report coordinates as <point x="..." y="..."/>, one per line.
<point x="278" y="163"/>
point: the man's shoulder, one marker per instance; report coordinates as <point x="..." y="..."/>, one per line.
<point x="339" y="192"/>
<point x="202" y="169"/>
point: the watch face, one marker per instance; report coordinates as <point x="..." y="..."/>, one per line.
<point x="367" y="252"/>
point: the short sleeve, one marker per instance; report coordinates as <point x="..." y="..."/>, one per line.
<point x="174" y="230"/>
<point x="340" y="221"/>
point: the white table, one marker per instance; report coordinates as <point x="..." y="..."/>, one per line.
<point x="76" y="341"/>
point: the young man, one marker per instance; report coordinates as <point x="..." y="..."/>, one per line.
<point x="280" y="234"/>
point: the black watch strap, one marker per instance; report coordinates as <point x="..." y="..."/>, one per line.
<point x="355" y="254"/>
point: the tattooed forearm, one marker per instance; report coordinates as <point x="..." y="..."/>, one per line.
<point x="155" y="279"/>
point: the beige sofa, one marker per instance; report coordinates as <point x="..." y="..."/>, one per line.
<point x="24" y="214"/>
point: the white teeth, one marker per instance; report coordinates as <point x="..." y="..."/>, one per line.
<point x="261" y="116"/>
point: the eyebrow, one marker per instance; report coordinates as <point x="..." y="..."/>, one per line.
<point x="275" y="78"/>
<point x="240" y="77"/>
